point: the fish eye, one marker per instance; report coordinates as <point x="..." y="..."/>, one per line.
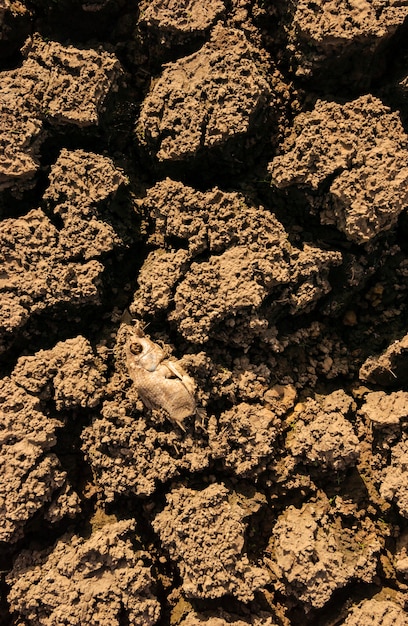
<point x="136" y="348"/>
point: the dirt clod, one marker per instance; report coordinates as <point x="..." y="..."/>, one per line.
<point x="204" y="532"/>
<point x="79" y="581"/>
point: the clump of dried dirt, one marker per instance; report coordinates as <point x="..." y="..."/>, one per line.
<point x="314" y="553"/>
<point x="226" y="93"/>
<point x="388" y="368"/>
<point x="321" y="434"/>
<point x="344" y="39"/>
<point x="69" y="373"/>
<point x="54" y="85"/>
<point x="244" y="437"/>
<point x="204" y="532"/>
<point x="173" y="23"/>
<point x="31" y="475"/>
<point x="381" y="612"/>
<point x="80" y="581"/>
<point x="248" y="259"/>
<point x="394" y="486"/>
<point x="359" y="150"/>
<point x="69" y="376"/>
<point x="386" y="409"/>
<point x="44" y="265"/>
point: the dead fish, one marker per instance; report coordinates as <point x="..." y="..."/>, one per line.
<point x="160" y="382"/>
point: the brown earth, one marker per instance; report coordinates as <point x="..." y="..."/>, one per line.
<point x="203" y="313"/>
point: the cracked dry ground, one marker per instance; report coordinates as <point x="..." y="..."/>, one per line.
<point x="231" y="176"/>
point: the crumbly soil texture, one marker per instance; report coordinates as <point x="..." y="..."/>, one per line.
<point x="203" y="313"/>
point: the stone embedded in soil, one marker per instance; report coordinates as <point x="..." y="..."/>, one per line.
<point x="385" y="409"/>
<point x="313" y="554"/>
<point x="206" y="99"/>
<point x="203" y="531"/>
<point x="101" y="580"/>
<point x="342" y="38"/>
<point x="62" y="85"/>
<point x="322" y="435"/>
<point x="358" y="149"/>
<point x="249" y="257"/>
<point x="394" y="485"/>
<point x="389" y="368"/>
<point x="176" y="22"/>
<point x="30" y="474"/>
<point x="375" y="612"/>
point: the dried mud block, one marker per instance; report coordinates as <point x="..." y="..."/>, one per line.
<point x="360" y="149"/>
<point x="68" y="85"/>
<point x="342" y="38"/>
<point x="174" y="22"/>
<point x="314" y="554"/>
<point x="35" y="275"/>
<point x="206" y="99"/>
<point x="322" y="435"/>
<point x="223" y="618"/>
<point x="29" y="474"/>
<point x="385" y="409"/>
<point x="157" y="280"/>
<point x="244" y="437"/>
<point x="44" y="266"/>
<point x="203" y="532"/>
<point x="21" y="138"/>
<point x="389" y="368"/>
<point x="394" y="484"/>
<point x="128" y="455"/>
<point x="70" y="373"/>
<point x="250" y="258"/>
<point x="101" y="580"/>
<point x="83" y="192"/>
<point x="55" y="83"/>
<point x="377" y="613"/>
<point x="80" y="177"/>
<point x="223" y="287"/>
